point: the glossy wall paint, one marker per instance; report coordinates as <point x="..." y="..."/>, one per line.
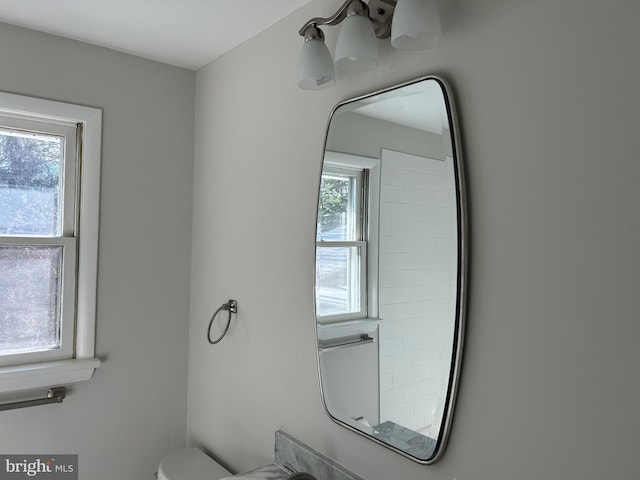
<point x="132" y="412"/>
<point x="548" y="96"/>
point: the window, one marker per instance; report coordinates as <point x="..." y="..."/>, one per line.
<point x="341" y="249"/>
<point x="49" y="184"/>
<point x="346" y="239"/>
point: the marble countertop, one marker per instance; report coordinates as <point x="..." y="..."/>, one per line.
<point x="268" y="472"/>
<point x="299" y="457"/>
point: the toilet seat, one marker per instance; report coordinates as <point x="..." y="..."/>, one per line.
<point x="190" y="464"/>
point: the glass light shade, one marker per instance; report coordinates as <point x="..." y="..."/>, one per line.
<point x="416" y="24"/>
<point x="356" y="48"/>
<point x="315" y="66"/>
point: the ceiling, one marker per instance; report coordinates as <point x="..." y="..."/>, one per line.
<point x="419" y="105"/>
<point x="184" y="33"/>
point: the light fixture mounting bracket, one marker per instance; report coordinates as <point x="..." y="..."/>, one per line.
<point x="380" y="13"/>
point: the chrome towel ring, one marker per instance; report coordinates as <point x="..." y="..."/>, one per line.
<point x="232" y="307"/>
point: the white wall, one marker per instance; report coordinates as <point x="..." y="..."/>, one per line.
<point x="350" y="382"/>
<point x="362" y="135"/>
<point x="548" y="96"/>
<point x="132" y="411"/>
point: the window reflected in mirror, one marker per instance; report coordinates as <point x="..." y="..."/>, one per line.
<point x="341" y="246"/>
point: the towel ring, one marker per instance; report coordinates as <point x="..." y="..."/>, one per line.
<point x="232" y="307"/>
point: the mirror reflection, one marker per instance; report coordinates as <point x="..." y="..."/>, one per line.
<point x="390" y="256"/>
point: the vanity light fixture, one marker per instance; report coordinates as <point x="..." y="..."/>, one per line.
<point x="411" y="24"/>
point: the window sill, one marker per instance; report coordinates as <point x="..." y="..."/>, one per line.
<point x="336" y="330"/>
<point x="46" y="374"/>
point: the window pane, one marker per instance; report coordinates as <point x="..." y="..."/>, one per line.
<point x="30" y="183"/>
<point x="337" y="212"/>
<point x="29" y="299"/>
<point x="337" y="280"/>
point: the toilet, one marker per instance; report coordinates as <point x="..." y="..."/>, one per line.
<point x="190" y="464"/>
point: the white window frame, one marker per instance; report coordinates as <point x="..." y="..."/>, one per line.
<point x="369" y="205"/>
<point x="78" y="362"/>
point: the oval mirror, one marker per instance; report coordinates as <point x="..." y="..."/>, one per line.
<point x="390" y="267"/>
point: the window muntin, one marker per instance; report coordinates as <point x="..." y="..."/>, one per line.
<point x="341" y="249"/>
<point x="38" y="239"/>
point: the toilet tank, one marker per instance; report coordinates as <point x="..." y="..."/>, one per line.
<point x="190" y="464"/>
